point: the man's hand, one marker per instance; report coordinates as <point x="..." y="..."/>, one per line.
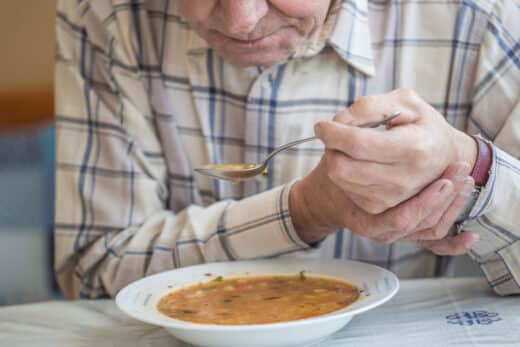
<point x="379" y="170"/>
<point x="318" y="207"/>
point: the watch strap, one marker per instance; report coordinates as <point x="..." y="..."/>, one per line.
<point x="480" y="172"/>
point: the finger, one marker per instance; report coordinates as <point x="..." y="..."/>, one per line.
<point x="371" y="108"/>
<point x="400" y="100"/>
<point x="453" y="245"/>
<point x="448" y="219"/>
<point x="428" y="225"/>
<point x="347" y="118"/>
<point x="457" y="173"/>
<point x="360" y="143"/>
<point x="408" y="100"/>
<point x="403" y="219"/>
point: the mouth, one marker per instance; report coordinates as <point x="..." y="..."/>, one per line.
<point x="250" y="42"/>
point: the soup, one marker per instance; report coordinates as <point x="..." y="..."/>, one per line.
<point x="230" y="167"/>
<point x="258" y="300"/>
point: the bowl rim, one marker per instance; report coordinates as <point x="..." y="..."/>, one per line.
<point x="186" y="325"/>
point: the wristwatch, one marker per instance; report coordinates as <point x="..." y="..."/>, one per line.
<point x="480" y="174"/>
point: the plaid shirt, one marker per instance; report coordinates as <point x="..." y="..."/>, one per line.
<point x="141" y="100"/>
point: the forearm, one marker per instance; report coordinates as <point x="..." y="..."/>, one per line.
<point x="107" y="260"/>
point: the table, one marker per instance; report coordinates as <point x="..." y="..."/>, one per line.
<point x="426" y="312"/>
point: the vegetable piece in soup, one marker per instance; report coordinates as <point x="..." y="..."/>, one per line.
<point x="258" y="300"/>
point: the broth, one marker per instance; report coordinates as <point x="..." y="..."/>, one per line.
<point x="258" y="300"/>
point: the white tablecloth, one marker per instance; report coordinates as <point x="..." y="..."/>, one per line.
<point x="432" y="312"/>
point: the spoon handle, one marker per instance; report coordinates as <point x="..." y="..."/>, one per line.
<point x="288" y="145"/>
<point x="297" y="142"/>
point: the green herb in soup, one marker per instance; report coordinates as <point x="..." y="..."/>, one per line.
<point x="258" y="300"/>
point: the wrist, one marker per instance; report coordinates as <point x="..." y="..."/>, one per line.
<point x="310" y="225"/>
<point x="466" y="149"/>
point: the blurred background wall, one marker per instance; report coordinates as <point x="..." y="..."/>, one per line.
<point x="26" y="150"/>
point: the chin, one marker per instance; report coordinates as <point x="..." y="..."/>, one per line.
<point x="263" y="59"/>
<point x="269" y="51"/>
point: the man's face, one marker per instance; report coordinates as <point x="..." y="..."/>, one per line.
<point x="254" y="32"/>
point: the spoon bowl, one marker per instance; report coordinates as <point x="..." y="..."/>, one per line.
<point x="231" y="172"/>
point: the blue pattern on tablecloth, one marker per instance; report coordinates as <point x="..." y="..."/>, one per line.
<point x="473" y="318"/>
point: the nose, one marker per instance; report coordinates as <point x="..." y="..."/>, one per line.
<point x="240" y="17"/>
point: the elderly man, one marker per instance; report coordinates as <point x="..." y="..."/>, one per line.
<point x="147" y="90"/>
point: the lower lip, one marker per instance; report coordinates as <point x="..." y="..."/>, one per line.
<point x="249" y="43"/>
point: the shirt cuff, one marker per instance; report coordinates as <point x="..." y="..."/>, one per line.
<point x="502" y="270"/>
<point x="260" y="226"/>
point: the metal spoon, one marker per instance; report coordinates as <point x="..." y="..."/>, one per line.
<point x="238" y="172"/>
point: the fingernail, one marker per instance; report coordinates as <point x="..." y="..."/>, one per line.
<point x="444" y="189"/>
<point x="467" y="188"/>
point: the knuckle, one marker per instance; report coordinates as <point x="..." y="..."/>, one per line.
<point x="341" y="117"/>
<point x="363" y="104"/>
<point x="407" y="93"/>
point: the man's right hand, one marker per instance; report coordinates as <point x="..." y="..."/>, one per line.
<point x="318" y="208"/>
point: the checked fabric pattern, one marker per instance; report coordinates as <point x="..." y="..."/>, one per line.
<point x="141" y="100"/>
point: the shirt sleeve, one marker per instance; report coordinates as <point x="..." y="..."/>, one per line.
<point x="496" y="116"/>
<point x="112" y="224"/>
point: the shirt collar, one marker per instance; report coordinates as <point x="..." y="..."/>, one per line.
<point x="349" y="37"/>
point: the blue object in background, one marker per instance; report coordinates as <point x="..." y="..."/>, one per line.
<point x="26" y="215"/>
<point x="26" y="177"/>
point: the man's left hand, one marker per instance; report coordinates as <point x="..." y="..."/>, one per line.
<point x="381" y="169"/>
